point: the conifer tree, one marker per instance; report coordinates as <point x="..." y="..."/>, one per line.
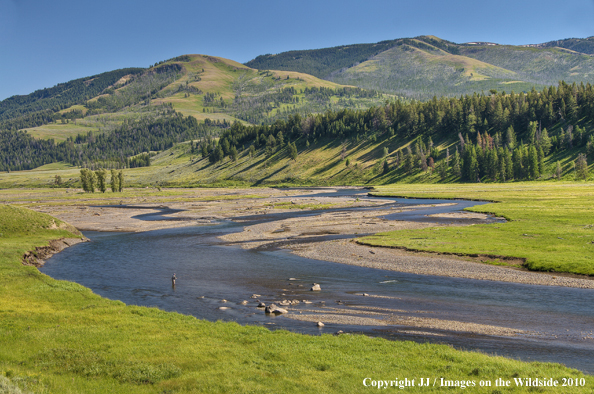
<point x="457" y="168"/>
<point x="292" y="150"/>
<point x="510" y="138"/>
<point x="545" y="141"/>
<point x="581" y="167"/>
<point x="509" y="165"/>
<point x="408" y="160"/>
<point x="533" y="168"/>
<point x="233" y="153"/>
<point x="558" y="170"/>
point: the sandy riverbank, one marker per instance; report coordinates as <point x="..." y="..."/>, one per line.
<point x="304" y="236"/>
<point x="307" y="235"/>
<point x="299" y="236"/>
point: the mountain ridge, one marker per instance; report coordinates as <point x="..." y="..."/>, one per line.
<point x="505" y="67"/>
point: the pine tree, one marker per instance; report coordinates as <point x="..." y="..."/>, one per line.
<point x="532" y="128"/>
<point x="293" y="150"/>
<point x="501" y="170"/>
<point x="470" y="164"/>
<point x="280" y="139"/>
<point x="233" y="153"/>
<point x="581" y="167"/>
<point x="545" y="141"/>
<point x="442" y="170"/>
<point x="408" y="160"/>
<point x="457" y="168"/>
<point x="558" y="170"/>
<point x="533" y="168"/>
<point x="541" y="165"/>
<point x="518" y="164"/>
<point x="510" y="138"/>
<point x="509" y="165"/>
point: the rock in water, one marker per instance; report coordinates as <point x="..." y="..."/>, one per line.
<point x="274" y="309"/>
<point x="315" y="287"/>
<point x="320" y="324"/>
<point x="270" y="309"/>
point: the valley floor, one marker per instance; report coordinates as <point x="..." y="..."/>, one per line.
<point x="303" y="236"/>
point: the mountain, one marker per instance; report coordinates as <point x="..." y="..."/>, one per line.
<point x="113" y="117"/>
<point x="581" y="45"/>
<point x="205" y="87"/>
<point x="427" y="66"/>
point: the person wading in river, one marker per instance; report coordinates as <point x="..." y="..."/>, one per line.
<point x="173" y="279"/>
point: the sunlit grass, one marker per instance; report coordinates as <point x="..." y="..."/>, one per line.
<point x="58" y="336"/>
<point x="550" y="224"/>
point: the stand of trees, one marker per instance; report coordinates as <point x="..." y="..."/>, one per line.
<point x="90" y="180"/>
<point x="20" y="151"/>
<point x="498" y="136"/>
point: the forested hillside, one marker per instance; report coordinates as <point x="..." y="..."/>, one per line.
<point x="495" y="138"/>
<point x="203" y="87"/>
<point x="117" y="149"/>
<point x="320" y="62"/>
<point x="426" y="66"/>
<point x="17" y="112"/>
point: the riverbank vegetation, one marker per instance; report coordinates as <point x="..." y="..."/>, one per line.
<point x="58" y="336"/>
<point x="549" y="225"/>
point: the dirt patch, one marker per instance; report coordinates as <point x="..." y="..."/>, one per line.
<point x="38" y="257"/>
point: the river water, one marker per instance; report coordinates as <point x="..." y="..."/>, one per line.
<point x="136" y="268"/>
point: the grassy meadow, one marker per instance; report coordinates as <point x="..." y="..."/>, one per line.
<point x="58" y="336"/>
<point x="550" y="224"/>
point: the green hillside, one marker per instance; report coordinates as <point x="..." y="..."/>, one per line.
<point x="428" y="66"/>
<point x="488" y="138"/>
<point x="114" y="116"/>
<point x="204" y="87"/>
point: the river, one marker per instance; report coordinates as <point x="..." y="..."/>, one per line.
<point x="136" y="268"/>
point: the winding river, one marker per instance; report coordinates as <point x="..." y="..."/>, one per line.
<point x="136" y="268"/>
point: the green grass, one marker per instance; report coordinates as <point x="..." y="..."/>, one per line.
<point x="57" y="336"/>
<point x="60" y="132"/>
<point x="550" y="224"/>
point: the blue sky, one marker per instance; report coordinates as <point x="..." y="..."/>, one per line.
<point x="43" y="43"/>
